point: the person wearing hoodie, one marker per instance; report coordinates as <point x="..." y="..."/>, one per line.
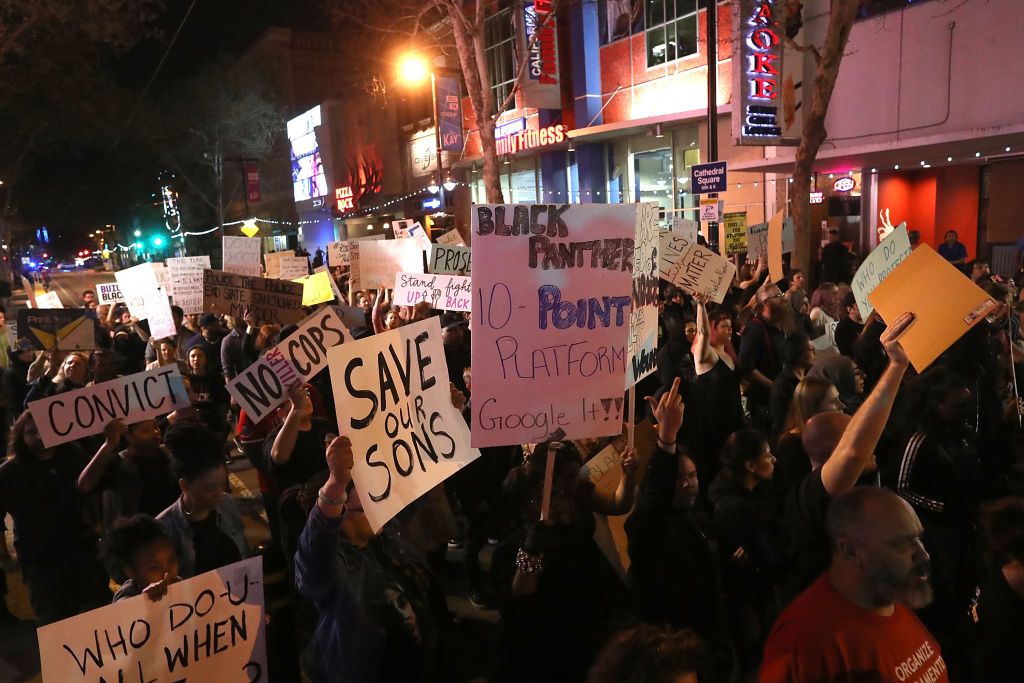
<point x="749" y="544"/>
<point x="675" y="356"/>
<point x="844" y="374"/>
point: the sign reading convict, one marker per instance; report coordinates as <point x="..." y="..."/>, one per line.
<point x="271" y="301"/>
<point x="264" y="385"/>
<point x="393" y="400"/>
<point x="84" y="412"/>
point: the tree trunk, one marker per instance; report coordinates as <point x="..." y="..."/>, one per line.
<point x="814" y="133"/>
<point x="472" y="57"/>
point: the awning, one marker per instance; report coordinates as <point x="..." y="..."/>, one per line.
<point x="619" y="129"/>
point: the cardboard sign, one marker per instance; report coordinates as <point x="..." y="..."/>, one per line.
<point x="186" y="274"/>
<point x="66" y="329"/>
<point x="882" y="260"/>
<point x="450" y="260"/>
<point x="271" y="301"/>
<point x="642" y="341"/>
<point x="443" y="292"/>
<point x="788" y="235"/>
<point x="393" y="402"/>
<point x="401" y="227"/>
<point x="379" y="261"/>
<point x="84" y="412"/>
<point x="686" y="227"/>
<point x="710" y="210"/>
<point x="316" y="288"/>
<point x="109" y="293"/>
<point x="757" y="241"/>
<point x="337" y="254"/>
<point x="273" y="263"/>
<point x="734" y="228"/>
<point x="776" y="228"/>
<point x="207" y="628"/>
<point x="293" y="268"/>
<point x="695" y="268"/>
<point x="551" y="301"/>
<point x="242" y="256"/>
<point x="264" y="385"/>
<point x="136" y="283"/>
<point x="946" y="303"/>
<point x="49" y="300"/>
<point x="452" y="238"/>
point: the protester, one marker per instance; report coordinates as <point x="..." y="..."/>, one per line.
<point x="844" y="376"/>
<point x="648" y="654"/>
<point x="209" y="395"/>
<point x="233" y="358"/>
<point x="849" y="326"/>
<point x="835" y="259"/>
<point x="167" y="354"/>
<point x="61" y="373"/>
<point x="855" y="621"/>
<point x="760" y="358"/>
<point x="675" y="356"/>
<point x="139" y="555"/>
<point x="797" y="358"/>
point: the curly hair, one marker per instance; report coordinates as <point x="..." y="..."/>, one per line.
<point x="651" y="654"/>
<point x="127" y="537"/>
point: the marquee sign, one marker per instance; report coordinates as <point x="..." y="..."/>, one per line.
<point x="529" y="139"/>
<point x="766" y="94"/>
<point x="345" y="198"/>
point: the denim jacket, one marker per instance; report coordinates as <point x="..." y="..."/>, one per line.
<point x="229" y="520"/>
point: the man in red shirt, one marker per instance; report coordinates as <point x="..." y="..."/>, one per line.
<point x="855" y="622"/>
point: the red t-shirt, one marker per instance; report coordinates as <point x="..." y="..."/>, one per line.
<point x="823" y="636"/>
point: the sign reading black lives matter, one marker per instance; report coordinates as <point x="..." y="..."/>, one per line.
<point x="207" y="628"/>
<point x="271" y="301"/>
<point x="86" y="411"/>
<point x="393" y="400"/>
<point x="264" y="385"/>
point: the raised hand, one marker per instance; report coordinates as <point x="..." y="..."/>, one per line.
<point x="891" y="339"/>
<point x="339" y="462"/>
<point x="458" y="398"/>
<point x="299" y="397"/>
<point x="668" y="413"/>
<point x="113" y="431"/>
<point x="628" y="461"/>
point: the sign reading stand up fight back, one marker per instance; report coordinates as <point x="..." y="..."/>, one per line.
<point x="551" y="311"/>
<point x="393" y="401"/>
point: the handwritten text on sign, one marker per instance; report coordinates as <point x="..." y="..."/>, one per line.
<point x="882" y="260"/>
<point x="135" y="283"/>
<point x="443" y="292"/>
<point x="83" y="412"/>
<point x="207" y="628"/>
<point x="109" y="293"/>
<point x="551" y="291"/>
<point x="242" y="256"/>
<point x="393" y="402"/>
<point x="187" y="282"/>
<point x="695" y="268"/>
<point x="264" y="385"/>
<point x="452" y="260"/>
<point x="271" y="301"/>
<point x="379" y="261"/>
<point x="643" y="318"/>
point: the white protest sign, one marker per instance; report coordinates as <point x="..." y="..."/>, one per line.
<point x="452" y="237"/>
<point x="207" y="628"/>
<point x="48" y="300"/>
<point x="889" y="253"/>
<point x="391" y="392"/>
<point x="686" y="227"/>
<point x="241" y="256"/>
<point x="292" y="268"/>
<point x="135" y="283"/>
<point x="379" y="261"/>
<point x="551" y="302"/>
<point x="158" y="313"/>
<point x="264" y="385"/>
<point x="453" y="260"/>
<point x="788" y="235"/>
<point x="109" y="293"/>
<point x="757" y="241"/>
<point x="710" y="210"/>
<point x="401" y="227"/>
<point x="163" y="276"/>
<point x="337" y="254"/>
<point x="443" y="292"/>
<point x="84" y="412"/>
<point x="698" y="270"/>
<point x="642" y="342"/>
<point x="187" y="282"/>
<point x="273" y="260"/>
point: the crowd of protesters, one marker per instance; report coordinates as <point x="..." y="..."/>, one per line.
<point x="813" y="509"/>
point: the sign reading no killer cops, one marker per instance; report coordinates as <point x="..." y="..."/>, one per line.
<point x="707" y="178"/>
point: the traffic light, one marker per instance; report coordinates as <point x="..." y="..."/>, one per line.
<point x="158" y="241"/>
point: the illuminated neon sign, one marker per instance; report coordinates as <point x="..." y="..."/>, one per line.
<point x="844" y="184"/>
<point x="529" y="139"/>
<point x="817" y="198"/>
<point x="345" y="198"/>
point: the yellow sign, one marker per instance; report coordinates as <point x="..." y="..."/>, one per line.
<point x="249" y="228"/>
<point x="734" y="227"/>
<point x="316" y="289"/>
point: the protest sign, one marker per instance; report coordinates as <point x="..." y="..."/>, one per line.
<point x="443" y="292"/>
<point x="379" y="261"/>
<point x="30" y="291"/>
<point x="776" y="228"/>
<point x="337" y="254"/>
<point x="757" y="241"/>
<point x="551" y="298"/>
<point x="210" y="627"/>
<point x="452" y="237"/>
<point x="695" y="268"/>
<point x="788" y="235"/>
<point x="109" y="293"/>
<point x="241" y="256"/>
<point x="316" y="288"/>
<point x="187" y="282"/>
<point x="331" y="282"/>
<point x="945" y="304"/>
<point x="686" y="227"/>
<point x="264" y="385"/>
<point x="136" y="283"/>
<point x="451" y="260"/>
<point x="642" y="339"/>
<point x="273" y="263"/>
<point x="163" y="276"/>
<point x="158" y="313"/>
<point x="271" y="301"/>
<point x="293" y="267"/>
<point x="12" y="334"/>
<point x="882" y="260"/>
<point x="352" y="317"/>
<point x="734" y="227"/>
<point x="401" y="227"/>
<point x="65" y="329"/>
<point x="393" y="402"/>
<point x="672" y="246"/>
<point x="84" y="412"/>
<point x="48" y="300"/>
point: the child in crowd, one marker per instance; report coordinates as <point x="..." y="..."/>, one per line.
<point x="138" y="551"/>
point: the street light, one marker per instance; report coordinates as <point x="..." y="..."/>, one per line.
<point x="413" y="69"/>
<point x="138" y="233"/>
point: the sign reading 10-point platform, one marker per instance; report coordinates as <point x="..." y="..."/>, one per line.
<point x="707" y="178"/>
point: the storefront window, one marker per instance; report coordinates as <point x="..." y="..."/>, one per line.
<point x="500" y="62"/>
<point x="523" y="181"/>
<point x="671" y="31"/>
<point x="652" y="177"/>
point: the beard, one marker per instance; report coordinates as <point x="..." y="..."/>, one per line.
<point x="912" y="589"/>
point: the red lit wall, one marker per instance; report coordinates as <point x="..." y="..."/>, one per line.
<point x="933" y="201"/>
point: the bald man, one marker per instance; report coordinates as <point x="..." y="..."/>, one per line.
<point x="841" y="449"/>
<point x="855" y="622"/>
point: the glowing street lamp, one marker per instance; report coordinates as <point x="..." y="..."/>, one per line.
<point x="138" y="233"/>
<point x="413" y="69"/>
